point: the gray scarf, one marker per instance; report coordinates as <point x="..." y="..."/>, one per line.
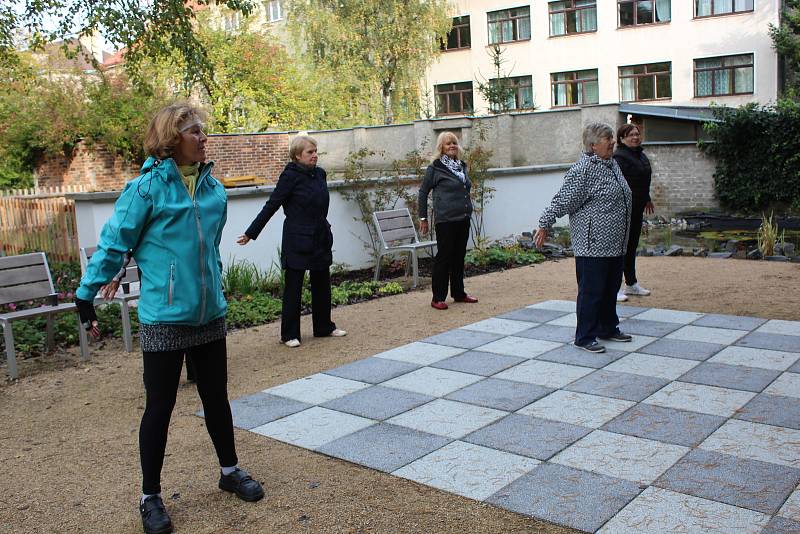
<point x="454" y="166"/>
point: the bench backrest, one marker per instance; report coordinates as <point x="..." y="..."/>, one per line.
<point x="25" y="277"/>
<point x="395" y="227"/>
<point x="131" y="271"/>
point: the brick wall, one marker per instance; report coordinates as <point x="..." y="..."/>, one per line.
<point x="263" y="155"/>
<point x="683" y="178"/>
<point x="95" y="167"/>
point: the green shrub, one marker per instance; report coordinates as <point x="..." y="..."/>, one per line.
<point x="253" y="310"/>
<point x="502" y="256"/>
<point x="391" y="288"/>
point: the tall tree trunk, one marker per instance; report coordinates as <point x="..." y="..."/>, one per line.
<point x="386" y="96"/>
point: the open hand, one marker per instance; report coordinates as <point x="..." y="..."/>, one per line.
<point x="423" y="227"/>
<point x="539" y="237"/>
<point x="109" y="290"/>
<point x="649" y="208"/>
<point x="243" y="239"/>
<point x="88" y="317"/>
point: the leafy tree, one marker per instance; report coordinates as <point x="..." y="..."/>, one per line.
<point x="786" y="41"/>
<point x="380" y="48"/>
<point x="498" y="90"/>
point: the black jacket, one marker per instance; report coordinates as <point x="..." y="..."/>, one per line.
<point x="451" y="200"/>
<point x="307" y="239"/>
<point x="637" y="172"/>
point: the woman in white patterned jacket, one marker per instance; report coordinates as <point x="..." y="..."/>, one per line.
<point x="597" y="199"/>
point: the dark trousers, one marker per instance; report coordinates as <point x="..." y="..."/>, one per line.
<point x="598" y="281"/>
<point x="162" y="372"/>
<point x="637" y="215"/>
<point x="451" y="247"/>
<point x="320" y="303"/>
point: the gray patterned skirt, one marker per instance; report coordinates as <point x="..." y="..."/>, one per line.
<point x="168" y="337"/>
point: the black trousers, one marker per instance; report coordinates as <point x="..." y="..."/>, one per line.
<point x="320" y="303"/>
<point x="451" y="247"/>
<point x="598" y="282"/>
<point x="637" y="216"/>
<point x="162" y="372"/>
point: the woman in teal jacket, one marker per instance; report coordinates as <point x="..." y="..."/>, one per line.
<point x="171" y="218"/>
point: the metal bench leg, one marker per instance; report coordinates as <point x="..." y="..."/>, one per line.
<point x="378" y="267"/>
<point x="415" y="267"/>
<point x="84" y="339"/>
<point x="127" y="336"/>
<point x="51" y="334"/>
<point x="11" y="355"/>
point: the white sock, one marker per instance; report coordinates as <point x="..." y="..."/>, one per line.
<point x="145" y="496"/>
<point x="228" y="470"/>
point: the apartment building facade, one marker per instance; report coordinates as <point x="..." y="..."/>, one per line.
<point x="566" y="53"/>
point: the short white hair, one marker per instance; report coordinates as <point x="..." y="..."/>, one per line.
<point x="593" y="132"/>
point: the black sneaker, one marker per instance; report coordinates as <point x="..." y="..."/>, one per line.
<point x="594" y="346"/>
<point x="619" y="336"/>
<point x="242" y="484"/>
<point x="155" y="519"/>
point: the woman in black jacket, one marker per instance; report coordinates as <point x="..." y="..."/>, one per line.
<point x="637" y="172"/>
<point x="307" y="241"/>
<point x="452" y="208"/>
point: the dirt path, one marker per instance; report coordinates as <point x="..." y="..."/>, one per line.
<point x="68" y="431"/>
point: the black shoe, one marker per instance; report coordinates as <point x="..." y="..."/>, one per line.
<point x="619" y="336"/>
<point x="594" y="346"/>
<point x="155" y="519"/>
<point x="242" y="484"/>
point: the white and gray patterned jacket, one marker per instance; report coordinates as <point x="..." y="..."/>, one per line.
<point x="597" y="199"/>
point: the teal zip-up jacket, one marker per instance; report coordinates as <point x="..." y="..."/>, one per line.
<point x="175" y="242"/>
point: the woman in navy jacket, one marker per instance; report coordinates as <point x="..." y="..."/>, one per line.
<point x="307" y="241"/>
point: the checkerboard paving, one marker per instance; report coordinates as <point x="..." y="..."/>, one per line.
<point x="694" y="426"/>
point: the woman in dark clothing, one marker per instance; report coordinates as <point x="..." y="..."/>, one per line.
<point x="307" y="241"/>
<point x="636" y="168"/>
<point x="452" y="208"/>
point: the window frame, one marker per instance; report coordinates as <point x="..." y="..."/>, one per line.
<point x="461" y="92"/>
<point x="270" y="3"/>
<point x="515" y="22"/>
<point x="635" y="14"/>
<point x="732" y="70"/>
<point x="443" y="43"/>
<point x="517" y="87"/>
<point x="566" y="11"/>
<point x="712" y="14"/>
<point x="575" y="80"/>
<point x="636" y="77"/>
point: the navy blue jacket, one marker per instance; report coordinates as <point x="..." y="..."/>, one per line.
<point x="307" y="239"/>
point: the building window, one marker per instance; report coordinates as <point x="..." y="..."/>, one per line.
<point x="574" y="88"/>
<point x="509" y="25"/>
<point x="458" y="36"/>
<point x="233" y="20"/>
<point x="728" y="75"/>
<point x="710" y="8"/>
<point x="521" y="95"/>
<point x="453" y="98"/>
<point x="635" y="12"/>
<point x="645" y="82"/>
<point x="572" y="16"/>
<point x="274" y="11"/>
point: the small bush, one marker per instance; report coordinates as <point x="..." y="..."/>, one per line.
<point x="502" y="256"/>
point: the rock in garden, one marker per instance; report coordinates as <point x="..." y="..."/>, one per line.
<point x="776" y="258"/>
<point x="721" y="255"/>
<point x="674" y="250"/>
<point x="732" y="245"/>
<point x="754" y="254"/>
<point x="649" y="251"/>
<point x="788" y="249"/>
<point x="700" y="252"/>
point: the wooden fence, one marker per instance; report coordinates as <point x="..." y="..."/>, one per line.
<point x="39" y="220"/>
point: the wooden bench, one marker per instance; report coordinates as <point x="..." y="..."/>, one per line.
<point x="124" y="294"/>
<point x="27" y="277"/>
<point x="397" y="234"/>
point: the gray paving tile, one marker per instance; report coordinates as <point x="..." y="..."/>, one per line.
<point x="648" y="328"/>
<point x="462" y="338"/>
<point x="634" y="345"/>
<point x="500" y="394"/>
<point x="577" y="408"/>
<point x="493" y="325"/>
<point x="570" y="320"/>
<point x="761" y="340"/>
<point x="657" y="423"/>
<point x="467" y="469"/>
<point x="566" y="496"/>
<point x="373" y="370"/>
<point x="420" y="353"/>
<point x="751" y="357"/>
<point x="528" y="436"/>
<point x="617" y="455"/>
<point x="313" y="428"/>
<point x="384" y="447"/>
<point x="260" y="408"/>
<point x="316" y="389"/>
<point x="781" y="525"/>
<point x="706" y="334"/>
<point x="786" y="385"/>
<point x="650" y="365"/>
<point x="447" y="418"/>
<point x="430" y="381"/>
<point x="731" y="376"/>
<point x="378" y="402"/>
<point x="734" y="322"/>
<point x="552" y="375"/>
<point x="669" y="316"/>
<point x="572" y="355"/>
<point x="678" y="348"/>
<point x="750" y="484"/>
<point x="567" y="306"/>
<point x="772" y="410"/>
<point x="767" y="443"/>
<point x="795" y="368"/>
<point x="779" y="326"/>
<point x="478" y="363"/>
<point x="533" y="315"/>
<point x="791" y="508"/>
<point x="660" y="510"/>
<point x="623" y="310"/>
<point x="549" y="332"/>
<point x="699" y="398"/>
<point x="618" y="385"/>
<point x="519" y="346"/>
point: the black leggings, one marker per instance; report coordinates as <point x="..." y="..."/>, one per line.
<point x="451" y="248"/>
<point x="629" y="269"/>
<point x="162" y="372"/>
